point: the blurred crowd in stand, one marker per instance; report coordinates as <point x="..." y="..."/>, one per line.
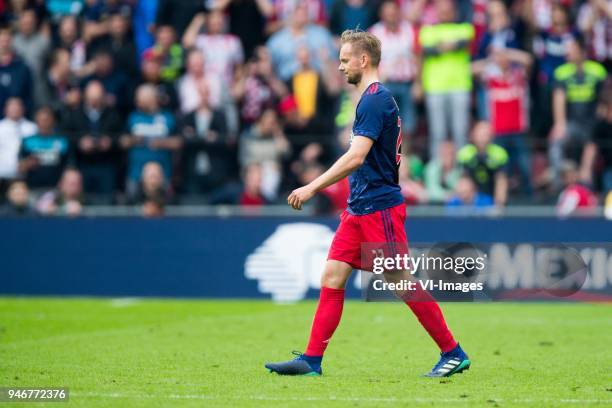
<point x="159" y="102"/>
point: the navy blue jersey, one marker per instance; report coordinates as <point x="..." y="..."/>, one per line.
<point x="374" y="185"/>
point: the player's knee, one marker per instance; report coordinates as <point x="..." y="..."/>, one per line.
<point x="335" y="276"/>
<point x="331" y="280"/>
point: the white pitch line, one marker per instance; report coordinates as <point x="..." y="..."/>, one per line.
<point x="125" y="302"/>
<point x="332" y="398"/>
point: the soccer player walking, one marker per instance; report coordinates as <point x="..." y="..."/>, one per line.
<point x="376" y="213"/>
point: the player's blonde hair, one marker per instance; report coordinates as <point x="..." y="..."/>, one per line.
<point x="363" y="42"/>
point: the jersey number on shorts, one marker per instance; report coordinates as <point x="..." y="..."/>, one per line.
<point x="398" y="145"/>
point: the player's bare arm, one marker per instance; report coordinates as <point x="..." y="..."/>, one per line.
<point x="345" y="165"/>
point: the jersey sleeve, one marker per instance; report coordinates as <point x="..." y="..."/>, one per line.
<point x="369" y="118"/>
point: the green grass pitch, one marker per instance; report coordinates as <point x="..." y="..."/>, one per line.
<point x="160" y="353"/>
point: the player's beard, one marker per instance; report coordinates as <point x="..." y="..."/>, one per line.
<point x="353" y="79"/>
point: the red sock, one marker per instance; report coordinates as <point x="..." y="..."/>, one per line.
<point x="326" y="319"/>
<point x="431" y="318"/>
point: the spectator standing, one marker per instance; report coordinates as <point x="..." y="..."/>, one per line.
<point x="95" y="129"/>
<point x="315" y="93"/>
<point x="398" y="64"/>
<point x="446" y="76"/>
<point x="69" y="39"/>
<point x="257" y="87"/>
<point x="550" y="46"/>
<point x="15" y="76"/>
<point x="189" y="95"/>
<point x="44" y="155"/>
<point x="595" y="23"/>
<point x="209" y="154"/>
<point x="284" y="44"/>
<point x="32" y="44"/>
<point x="577" y="86"/>
<point x="151" y="136"/>
<point x="219" y="93"/>
<point x="168" y="51"/>
<point x="222" y="51"/>
<point x="119" y="43"/>
<point x="550" y="49"/>
<point x="505" y="77"/>
<point x="13" y="129"/>
<point x="97" y="14"/>
<point x="247" y="21"/>
<point x="500" y="34"/>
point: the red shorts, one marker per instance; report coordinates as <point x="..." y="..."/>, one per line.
<point x="357" y="235"/>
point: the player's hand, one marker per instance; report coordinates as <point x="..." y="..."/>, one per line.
<point x="299" y="196"/>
